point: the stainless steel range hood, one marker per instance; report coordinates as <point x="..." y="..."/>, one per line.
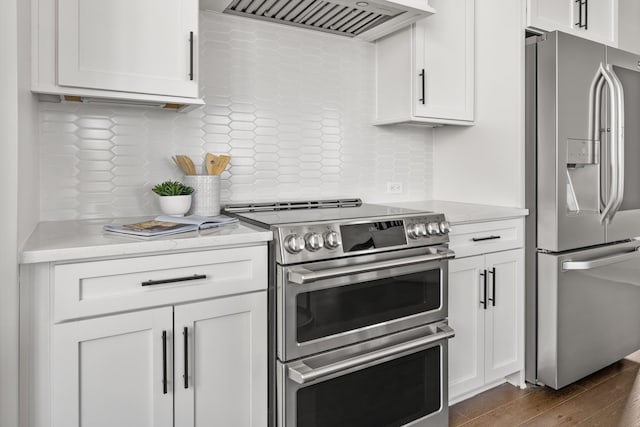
<point x="361" y="19"/>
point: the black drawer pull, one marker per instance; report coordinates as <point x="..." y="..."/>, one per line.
<point x="190" y="55"/>
<point x="185" y="333"/>
<point x="483" y="274"/>
<point x="492" y="272"/>
<point x="422" y="100"/>
<point x="480" y="239"/>
<point x="164" y="362"/>
<point x="174" y="280"/>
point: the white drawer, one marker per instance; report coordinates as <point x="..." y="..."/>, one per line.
<point x="100" y="287"/>
<point x="483" y="237"/>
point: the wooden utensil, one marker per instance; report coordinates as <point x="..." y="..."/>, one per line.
<point x="221" y="163"/>
<point x="210" y="161"/>
<point x="190" y="167"/>
<point x="185" y="163"/>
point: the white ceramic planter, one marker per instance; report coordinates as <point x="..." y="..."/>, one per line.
<point x="175" y="205"/>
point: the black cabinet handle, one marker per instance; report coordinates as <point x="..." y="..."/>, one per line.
<point x="480" y="239"/>
<point x="422" y="100"/>
<point x="483" y="274"/>
<point x="579" y="23"/>
<point x="191" y="55"/>
<point x="583" y="10"/>
<point x="493" y="292"/>
<point x="185" y="333"/>
<point x="176" y="279"/>
<point x="164" y="362"/>
<point x="586" y="14"/>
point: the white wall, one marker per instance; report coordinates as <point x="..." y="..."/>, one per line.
<point x="8" y="215"/>
<point x="485" y="163"/>
<point x="292" y="106"/>
<point x="28" y="123"/>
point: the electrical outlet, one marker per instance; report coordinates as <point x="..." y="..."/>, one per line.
<point x="394" y="187"/>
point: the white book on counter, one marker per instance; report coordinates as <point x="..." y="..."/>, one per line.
<point x="165" y="225"/>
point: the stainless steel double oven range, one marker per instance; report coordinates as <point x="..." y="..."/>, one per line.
<point x="358" y="308"/>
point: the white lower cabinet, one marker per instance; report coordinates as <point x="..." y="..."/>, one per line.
<point x="108" y="371"/>
<point x="124" y="370"/>
<point x="158" y="341"/>
<point x="488" y="320"/>
<point x="222" y="346"/>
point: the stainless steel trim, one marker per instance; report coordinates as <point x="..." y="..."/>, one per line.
<point x="599" y="262"/>
<point x="594" y="105"/>
<point x="301" y="276"/>
<point x="288" y="346"/>
<point x="288" y="389"/>
<point x="619" y="100"/>
<point x="354" y="17"/>
<point x="613" y="197"/>
<point x="303" y="373"/>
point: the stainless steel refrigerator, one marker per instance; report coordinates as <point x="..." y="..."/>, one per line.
<point x="583" y="192"/>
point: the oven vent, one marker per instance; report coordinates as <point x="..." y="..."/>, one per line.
<point x="344" y="19"/>
<point x="286" y="206"/>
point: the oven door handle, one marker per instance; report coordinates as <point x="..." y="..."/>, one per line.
<point x="302" y="373"/>
<point x="301" y="276"/>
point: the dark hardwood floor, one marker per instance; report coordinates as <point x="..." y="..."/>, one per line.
<point x="608" y="398"/>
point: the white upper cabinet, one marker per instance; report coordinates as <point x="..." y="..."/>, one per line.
<point x="628" y="28"/>
<point x="126" y="50"/>
<point x="591" y="19"/>
<point x="132" y="46"/>
<point x="425" y="74"/>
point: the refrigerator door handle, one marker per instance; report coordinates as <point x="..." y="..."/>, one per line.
<point x="600" y="262"/>
<point x="619" y="101"/>
<point x="613" y="160"/>
<point x="595" y="99"/>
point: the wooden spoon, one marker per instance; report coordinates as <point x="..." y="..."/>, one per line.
<point x="221" y="163"/>
<point x="186" y="164"/>
<point x="209" y="162"/>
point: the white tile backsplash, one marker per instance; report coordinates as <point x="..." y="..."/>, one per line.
<point x="293" y="107"/>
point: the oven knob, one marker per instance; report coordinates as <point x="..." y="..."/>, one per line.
<point x="417" y="230"/>
<point x="314" y="241"/>
<point x="294" y="244"/>
<point x="433" y="228"/>
<point x="445" y="227"/>
<point x="331" y="239"/>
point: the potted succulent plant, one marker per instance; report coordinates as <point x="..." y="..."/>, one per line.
<point x="175" y="197"/>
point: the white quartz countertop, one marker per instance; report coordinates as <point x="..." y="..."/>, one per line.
<point x="84" y="239"/>
<point x="461" y="213"/>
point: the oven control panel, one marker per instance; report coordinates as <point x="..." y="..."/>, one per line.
<point x="325" y="240"/>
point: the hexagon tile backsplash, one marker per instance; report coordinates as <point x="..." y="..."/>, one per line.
<point x="293" y="108"/>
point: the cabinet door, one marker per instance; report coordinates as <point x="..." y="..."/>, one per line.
<point x="466" y="317"/>
<point x="601" y="20"/>
<point x="444" y="75"/>
<point x="628" y="28"/>
<point x="549" y="15"/>
<point x="109" y="371"/>
<point x="142" y="46"/>
<point x="593" y="19"/>
<point x="225" y="361"/>
<point x="504" y="320"/>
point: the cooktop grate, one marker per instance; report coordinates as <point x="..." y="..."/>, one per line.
<point x="347" y="18"/>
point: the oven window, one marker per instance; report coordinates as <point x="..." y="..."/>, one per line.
<point x="390" y="394"/>
<point x="331" y="311"/>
